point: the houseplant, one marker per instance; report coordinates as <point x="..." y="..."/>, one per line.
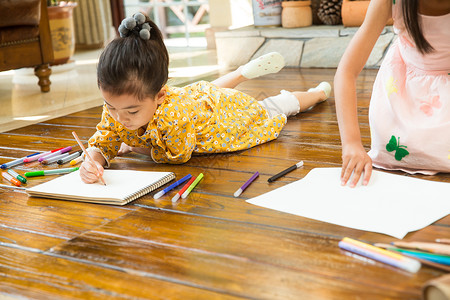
<point x="60" y="14"/>
<point x="296" y="13"/>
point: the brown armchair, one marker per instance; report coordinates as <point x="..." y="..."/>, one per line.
<point x="25" y="39"/>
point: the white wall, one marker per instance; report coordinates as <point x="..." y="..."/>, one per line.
<point x="230" y="13"/>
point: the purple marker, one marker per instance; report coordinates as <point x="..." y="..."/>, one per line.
<point x="242" y="188"/>
<point x="61" y="151"/>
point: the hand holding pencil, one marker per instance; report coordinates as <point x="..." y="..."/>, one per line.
<point x="91" y="170"/>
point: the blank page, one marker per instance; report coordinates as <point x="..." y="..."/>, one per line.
<point x="389" y="204"/>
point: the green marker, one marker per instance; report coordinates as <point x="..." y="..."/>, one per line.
<point x="17" y="176"/>
<point x="192" y="186"/>
<point x="50" y="172"/>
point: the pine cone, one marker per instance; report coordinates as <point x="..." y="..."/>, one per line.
<point x="329" y="12"/>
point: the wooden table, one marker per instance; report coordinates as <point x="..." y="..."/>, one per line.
<point x="210" y="245"/>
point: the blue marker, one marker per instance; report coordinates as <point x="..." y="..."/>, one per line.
<point x="16" y="162"/>
<point x="172" y="186"/>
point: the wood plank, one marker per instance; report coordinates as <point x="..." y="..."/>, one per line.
<point x="210" y="252"/>
<point x="53" y="218"/>
<point x="47" y="276"/>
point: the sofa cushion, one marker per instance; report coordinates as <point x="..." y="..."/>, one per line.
<point x="18" y="34"/>
<point x="20" y="12"/>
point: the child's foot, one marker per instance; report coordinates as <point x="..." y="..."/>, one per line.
<point x="325" y="87"/>
<point x="269" y="63"/>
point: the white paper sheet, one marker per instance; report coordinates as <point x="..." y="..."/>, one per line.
<point x="389" y="204"/>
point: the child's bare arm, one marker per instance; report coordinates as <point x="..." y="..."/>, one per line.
<point x="354" y="157"/>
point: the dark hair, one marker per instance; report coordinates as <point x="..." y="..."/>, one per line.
<point x="410" y="11"/>
<point x="134" y="66"/>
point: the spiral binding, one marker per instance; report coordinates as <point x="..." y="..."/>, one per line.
<point x="147" y="189"/>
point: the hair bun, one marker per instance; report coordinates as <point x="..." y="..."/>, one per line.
<point x="137" y="25"/>
<point x="129" y="23"/>
<point x="140" y="18"/>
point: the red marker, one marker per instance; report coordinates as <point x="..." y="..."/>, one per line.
<point x="185" y="187"/>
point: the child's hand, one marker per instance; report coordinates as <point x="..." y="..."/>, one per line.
<point x="90" y="171"/>
<point x="355" y="160"/>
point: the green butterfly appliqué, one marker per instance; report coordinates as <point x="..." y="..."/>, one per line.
<point x="400" y="150"/>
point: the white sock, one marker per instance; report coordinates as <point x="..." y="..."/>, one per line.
<point x="323" y="86"/>
<point x="269" y="63"/>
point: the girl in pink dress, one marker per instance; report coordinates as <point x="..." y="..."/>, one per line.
<point x="410" y="106"/>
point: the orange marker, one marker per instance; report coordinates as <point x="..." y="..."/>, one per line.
<point x="11" y="179"/>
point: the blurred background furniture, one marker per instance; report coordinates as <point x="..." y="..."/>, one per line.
<point x="94" y="23"/>
<point x="25" y="39"/>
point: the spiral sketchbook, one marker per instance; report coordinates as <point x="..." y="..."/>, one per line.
<point x="122" y="186"/>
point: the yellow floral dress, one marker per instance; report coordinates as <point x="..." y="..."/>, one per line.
<point x="198" y="118"/>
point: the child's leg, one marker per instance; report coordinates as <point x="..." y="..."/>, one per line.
<point x="313" y="96"/>
<point x="291" y="103"/>
<point x="266" y="64"/>
<point x="230" y="80"/>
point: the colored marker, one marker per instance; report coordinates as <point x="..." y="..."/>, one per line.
<point x="429" y="247"/>
<point x="53" y="159"/>
<point x="50" y="172"/>
<point x="373" y="248"/>
<point x="282" y="173"/>
<point x="36" y="157"/>
<point x="184" y="188"/>
<point x="11" y="179"/>
<point x="69" y="157"/>
<point x="17" y="176"/>
<point x="75" y="161"/>
<point x="172" y="186"/>
<point x="53" y="154"/>
<point x="422" y="260"/>
<point x="192" y="186"/>
<point x="242" y="188"/>
<point x="380" y="255"/>
<point x="16" y="161"/>
<point x="437" y="258"/>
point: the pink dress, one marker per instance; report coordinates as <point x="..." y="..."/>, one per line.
<point x="410" y="106"/>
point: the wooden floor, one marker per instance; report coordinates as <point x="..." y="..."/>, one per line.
<point x="208" y="246"/>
